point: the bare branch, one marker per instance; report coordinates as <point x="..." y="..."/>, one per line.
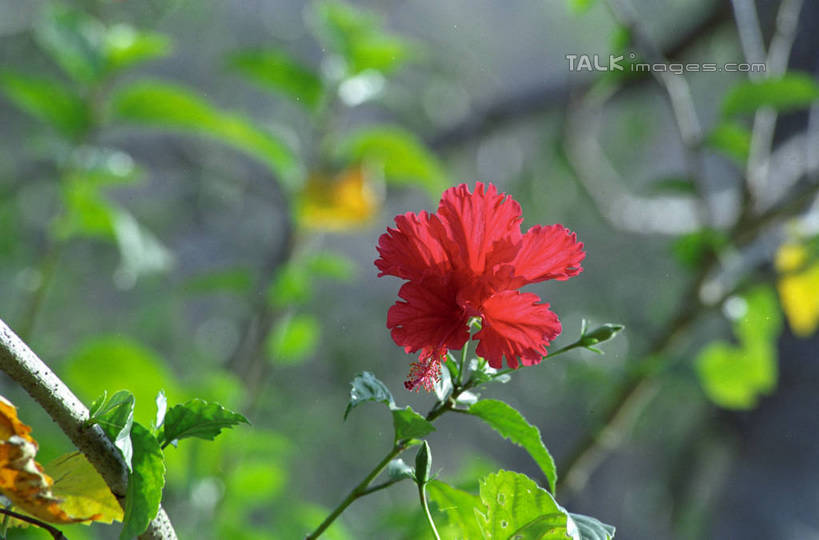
<point x="27" y="370"/>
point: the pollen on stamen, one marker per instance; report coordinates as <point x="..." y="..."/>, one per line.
<point x="424" y="373"/>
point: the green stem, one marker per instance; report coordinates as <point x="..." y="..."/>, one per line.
<point x="422" y="492"/>
<point x="464" y="355"/>
<point x="567" y="348"/>
<point x="359" y="491"/>
<point x="363" y="488"/>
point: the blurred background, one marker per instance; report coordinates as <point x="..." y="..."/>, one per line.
<point x="191" y="194"/>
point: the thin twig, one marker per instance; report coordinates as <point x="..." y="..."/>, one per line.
<point x="765" y="118"/>
<point x="53" y="531"/>
<point x="60" y="403"/>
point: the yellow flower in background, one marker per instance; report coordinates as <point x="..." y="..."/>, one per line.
<point x="798" y="288"/>
<point x="343" y="202"/>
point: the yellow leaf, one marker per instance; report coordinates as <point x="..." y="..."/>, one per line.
<point x="798" y="288"/>
<point x="22" y="480"/>
<point x="339" y="203"/>
<point x="82" y="490"/>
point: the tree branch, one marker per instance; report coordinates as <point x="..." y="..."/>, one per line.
<point x="27" y="370"/>
<point x="524" y="103"/>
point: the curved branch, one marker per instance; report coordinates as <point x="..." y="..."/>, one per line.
<point x="60" y="403"/>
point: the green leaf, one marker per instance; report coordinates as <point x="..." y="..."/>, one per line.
<point x="514" y="502"/>
<point x="513" y="426"/>
<point x="74" y="40"/>
<point x="292" y="287"/>
<point x="789" y="92"/>
<point x="277" y="71"/>
<point x="126" y="46"/>
<point x="330" y="265"/>
<point x="97" y="404"/>
<point x="81" y="489"/>
<point x="590" y="528"/>
<point x="735" y="377"/>
<point x="409" y="424"/>
<point x="293" y="339"/>
<point x="109" y="362"/>
<point x="404" y="158"/>
<point x="49" y="101"/>
<point x="356" y="35"/>
<point x="116" y="418"/>
<point x="178" y="108"/>
<point x="87" y="213"/>
<point x="763" y="317"/>
<point x="233" y="280"/>
<point x="145" y="483"/>
<point x="581" y="6"/>
<point x="691" y="249"/>
<point x="459" y="508"/>
<point x="197" y="418"/>
<point x="366" y="387"/>
<point x="732" y="139"/>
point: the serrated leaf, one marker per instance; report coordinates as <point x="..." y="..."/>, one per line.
<point x="547" y="527"/>
<point x="513" y="501"/>
<point x="138" y="369"/>
<point x="409" y="424"/>
<point x="197" y="418"/>
<point x="49" y="101"/>
<point x="398" y="470"/>
<point x="789" y="92"/>
<point x="275" y="70"/>
<point x="404" y="158"/>
<point x="178" y="108"/>
<point x="82" y="490"/>
<point x="366" y="387"/>
<point x="513" y="426"/>
<point x="731" y="139"/>
<point x="145" y="483"/>
<point x="116" y="418"/>
<point x="590" y="528"/>
<point x="459" y="507"/>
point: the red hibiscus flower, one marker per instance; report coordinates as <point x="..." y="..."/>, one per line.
<point x="468" y="260"/>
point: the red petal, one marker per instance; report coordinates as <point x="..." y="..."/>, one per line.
<point x="429" y="320"/>
<point x="515" y="326"/>
<point x="478" y="230"/>
<point x="411" y="251"/>
<point x="551" y="252"/>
